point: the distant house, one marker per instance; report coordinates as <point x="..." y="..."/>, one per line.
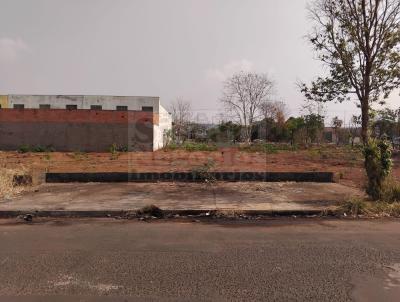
<point x="330" y="135"/>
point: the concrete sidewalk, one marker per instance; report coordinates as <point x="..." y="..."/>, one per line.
<point x="113" y="197"/>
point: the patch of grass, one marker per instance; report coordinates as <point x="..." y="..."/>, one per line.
<point x="354" y="206"/>
<point x="191" y="147"/>
<point x="358" y="206"/>
<point x="390" y="191"/>
<point x="150" y="210"/>
<point x="268" y="148"/>
<point x="115" y="150"/>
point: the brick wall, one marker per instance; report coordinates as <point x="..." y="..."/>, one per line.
<point x="76" y="130"/>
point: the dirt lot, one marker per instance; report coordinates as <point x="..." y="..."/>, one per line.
<point x="346" y="163"/>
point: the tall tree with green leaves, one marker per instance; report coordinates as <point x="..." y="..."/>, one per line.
<point x="359" y="42"/>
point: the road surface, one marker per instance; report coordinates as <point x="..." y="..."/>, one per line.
<point x="274" y="260"/>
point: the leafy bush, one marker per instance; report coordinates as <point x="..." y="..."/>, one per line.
<point x="378" y="164"/>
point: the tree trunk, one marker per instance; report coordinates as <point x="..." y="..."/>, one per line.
<point x="365" y="120"/>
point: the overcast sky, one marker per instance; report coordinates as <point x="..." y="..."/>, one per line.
<point x="166" y="48"/>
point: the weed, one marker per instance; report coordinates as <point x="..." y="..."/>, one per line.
<point x="150" y="210"/>
<point x="204" y="172"/>
<point x="78" y="155"/>
<point x="354" y="206"/>
<point x="358" y="206"/>
<point x="390" y="191"/>
<point x="24" y="149"/>
<point x="115" y="150"/>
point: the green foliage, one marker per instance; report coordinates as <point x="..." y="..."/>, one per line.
<point x="268" y="148"/>
<point x="115" y="150"/>
<point x="225" y="132"/>
<point x="369" y="66"/>
<point x="204" y="172"/>
<point x="387" y="122"/>
<point x="37" y="149"/>
<point x="24" y="149"/>
<point x="191" y="147"/>
<point x="294" y="125"/>
<point x="378" y="164"/>
<point x="313" y="123"/>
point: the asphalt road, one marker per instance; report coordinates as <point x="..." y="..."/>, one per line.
<point x="279" y="260"/>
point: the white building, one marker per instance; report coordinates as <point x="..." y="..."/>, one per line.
<point x="95" y="102"/>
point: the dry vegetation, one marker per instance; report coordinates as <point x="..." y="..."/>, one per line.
<point x="346" y="162"/>
<point x="14" y="181"/>
<point x="360" y="207"/>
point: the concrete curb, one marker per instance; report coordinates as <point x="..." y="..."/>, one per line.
<point x="321" y="177"/>
<point x="125" y="213"/>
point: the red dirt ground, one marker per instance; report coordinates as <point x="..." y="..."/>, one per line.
<point x="347" y="164"/>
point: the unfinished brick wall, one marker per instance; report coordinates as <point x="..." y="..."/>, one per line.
<point x="76" y="130"/>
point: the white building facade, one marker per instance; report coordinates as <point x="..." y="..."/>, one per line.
<point x="161" y="126"/>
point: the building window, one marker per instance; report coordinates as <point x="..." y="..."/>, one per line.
<point x="44" y="106"/>
<point x="19" y="106"/>
<point x="147" y="108"/>
<point x="122" y="108"/>
<point x="96" y="107"/>
<point x="71" y="107"/>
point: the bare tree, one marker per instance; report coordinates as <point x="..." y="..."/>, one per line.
<point x="276" y="111"/>
<point x="181" y="111"/>
<point x="244" y="95"/>
<point x="359" y="42"/>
